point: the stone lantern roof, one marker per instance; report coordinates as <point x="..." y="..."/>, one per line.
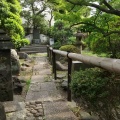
<point x="5" y="40"/>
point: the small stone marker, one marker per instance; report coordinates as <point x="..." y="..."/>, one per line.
<point x="6" y="89"/>
<point x="2" y="112"/>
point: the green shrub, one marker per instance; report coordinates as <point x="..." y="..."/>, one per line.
<point x="98" y="89"/>
<point x="20" y="43"/>
<point x="70" y="48"/>
<point x="56" y="45"/>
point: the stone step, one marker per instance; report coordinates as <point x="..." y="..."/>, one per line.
<point x="45" y="91"/>
<point x="39" y="46"/>
<point x="14" y="110"/>
<point x="58" y="110"/>
<point x="35" y="45"/>
<point x="34" y="49"/>
<point x="32" y="52"/>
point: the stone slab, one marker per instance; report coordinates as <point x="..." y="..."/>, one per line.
<point x="61" y="75"/>
<point x="78" y="65"/>
<point x="86" y="116"/>
<point x="37" y="78"/>
<point x="42" y="72"/>
<point x="48" y="86"/>
<point x="58" y="110"/>
<point x="12" y="106"/>
<point x="38" y="67"/>
<point x="43" y="95"/>
<point x="41" y="58"/>
<point x="35" y="87"/>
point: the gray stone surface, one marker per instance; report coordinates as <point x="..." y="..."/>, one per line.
<point x="18" y="112"/>
<point x="55" y="108"/>
<point x="15" y="62"/>
<point x="34" y="110"/>
<point x="38" y="78"/>
<point x="2" y="112"/>
<point x="12" y="106"/>
<point x="64" y="84"/>
<point x="61" y="75"/>
<point x="43" y="100"/>
<point x="34" y="49"/>
<point x="43" y="91"/>
<point x="6" y="91"/>
<point x="77" y="65"/>
<point x="23" y="55"/>
<point x="86" y="116"/>
<point x="48" y="86"/>
<point x="58" y="110"/>
<point x="42" y="72"/>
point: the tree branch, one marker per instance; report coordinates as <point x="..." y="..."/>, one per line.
<point x="111" y="32"/>
<point x="72" y="8"/>
<point x="105" y="34"/>
<point x="109" y="11"/>
<point x="108" y="5"/>
<point x="93" y="25"/>
<point x="39" y="12"/>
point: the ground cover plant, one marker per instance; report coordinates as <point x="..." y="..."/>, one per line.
<point x="99" y="90"/>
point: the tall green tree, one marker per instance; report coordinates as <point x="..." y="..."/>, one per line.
<point x="34" y="14"/>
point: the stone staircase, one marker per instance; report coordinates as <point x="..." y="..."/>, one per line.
<point x="34" y="48"/>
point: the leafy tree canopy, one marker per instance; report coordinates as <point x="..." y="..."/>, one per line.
<point x="34" y="14"/>
<point x="101" y="23"/>
<point x="10" y="20"/>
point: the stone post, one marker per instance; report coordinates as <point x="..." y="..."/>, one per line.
<point x="2" y="112"/>
<point x="79" y="36"/>
<point x="6" y="89"/>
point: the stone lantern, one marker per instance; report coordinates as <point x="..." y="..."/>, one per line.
<point x="79" y="43"/>
<point x="6" y="89"/>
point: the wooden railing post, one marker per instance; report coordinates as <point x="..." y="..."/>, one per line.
<point x="54" y="64"/>
<point x="49" y="55"/>
<point x="69" y="77"/>
<point x="48" y="51"/>
<point x="50" y="58"/>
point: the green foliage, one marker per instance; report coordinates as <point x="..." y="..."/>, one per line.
<point x="69" y="48"/>
<point x="98" y="89"/>
<point x="34" y="16"/>
<point x="102" y="25"/>
<point x="10" y="20"/>
<point x="71" y="40"/>
<point x="56" y="45"/>
<point x="50" y="32"/>
<point x="102" y="39"/>
<point x="28" y="84"/>
<point x="21" y="43"/>
<point x="61" y="33"/>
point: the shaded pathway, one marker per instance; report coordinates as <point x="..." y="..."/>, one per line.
<point x="44" y="95"/>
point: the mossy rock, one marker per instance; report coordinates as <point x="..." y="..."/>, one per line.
<point x="70" y="48"/>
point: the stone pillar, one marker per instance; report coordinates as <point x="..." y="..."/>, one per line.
<point x="2" y="112"/>
<point x="6" y="89"/>
<point x="36" y="36"/>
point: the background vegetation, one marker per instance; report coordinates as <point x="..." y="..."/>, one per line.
<point x="98" y="19"/>
<point x="99" y="91"/>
